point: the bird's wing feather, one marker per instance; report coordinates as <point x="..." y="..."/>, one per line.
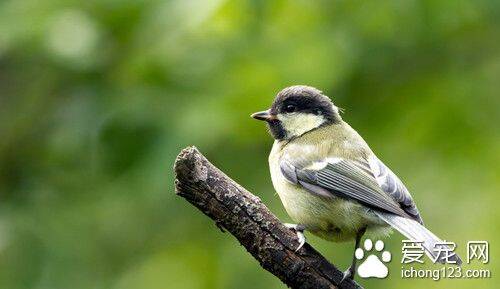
<point x="343" y="178"/>
<point x="371" y="183"/>
<point x="392" y="185"/>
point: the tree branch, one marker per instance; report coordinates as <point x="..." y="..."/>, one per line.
<point x="244" y="215"/>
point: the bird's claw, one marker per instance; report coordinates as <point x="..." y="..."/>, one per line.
<point x="302" y="240"/>
<point x="348" y="274"/>
<point x="299" y="230"/>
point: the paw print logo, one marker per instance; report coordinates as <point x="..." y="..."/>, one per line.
<point x="372" y="266"/>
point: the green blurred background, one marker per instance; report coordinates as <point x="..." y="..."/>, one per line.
<point x="98" y="97"/>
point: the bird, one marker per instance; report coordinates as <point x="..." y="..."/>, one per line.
<point x="329" y="180"/>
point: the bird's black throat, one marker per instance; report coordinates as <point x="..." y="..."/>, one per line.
<point x="276" y="129"/>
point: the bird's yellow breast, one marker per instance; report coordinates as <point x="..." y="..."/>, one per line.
<point x="331" y="218"/>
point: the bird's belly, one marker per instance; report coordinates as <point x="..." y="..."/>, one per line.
<point x="335" y="219"/>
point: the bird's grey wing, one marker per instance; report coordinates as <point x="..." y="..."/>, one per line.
<point x="343" y="178"/>
<point x="371" y="183"/>
<point x="392" y="185"/>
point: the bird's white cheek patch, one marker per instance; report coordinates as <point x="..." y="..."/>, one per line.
<point x="298" y="123"/>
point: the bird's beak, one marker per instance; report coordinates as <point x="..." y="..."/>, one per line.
<point x="263" y="115"/>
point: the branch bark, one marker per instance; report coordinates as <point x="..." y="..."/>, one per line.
<point x="244" y="215"/>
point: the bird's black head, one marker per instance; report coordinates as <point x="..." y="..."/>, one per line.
<point x="297" y="110"/>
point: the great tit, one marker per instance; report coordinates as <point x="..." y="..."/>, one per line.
<point x="329" y="180"/>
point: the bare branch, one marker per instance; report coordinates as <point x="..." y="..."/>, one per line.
<point x="244" y="215"/>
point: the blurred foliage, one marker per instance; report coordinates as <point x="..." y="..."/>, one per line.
<point x="98" y="97"/>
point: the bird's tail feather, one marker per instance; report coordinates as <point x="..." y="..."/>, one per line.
<point x="416" y="232"/>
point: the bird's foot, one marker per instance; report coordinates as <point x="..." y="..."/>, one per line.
<point x="348" y="274"/>
<point x="299" y="230"/>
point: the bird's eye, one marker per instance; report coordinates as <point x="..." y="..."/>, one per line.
<point x="290" y="108"/>
<point x="318" y="112"/>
